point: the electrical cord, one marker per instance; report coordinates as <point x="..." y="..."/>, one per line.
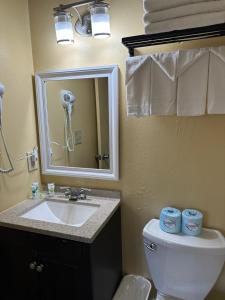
<point x="70" y="143"/>
<point x="6" y="171"/>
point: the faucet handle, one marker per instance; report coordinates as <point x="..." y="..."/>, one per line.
<point x="85" y="190"/>
<point x="83" y="193"/>
<point x="67" y="190"/>
<point x="64" y="188"/>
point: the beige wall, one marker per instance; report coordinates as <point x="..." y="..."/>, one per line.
<point x="16" y="70"/>
<point x="163" y="160"/>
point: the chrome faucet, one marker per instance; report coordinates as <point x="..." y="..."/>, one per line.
<point x="75" y="194"/>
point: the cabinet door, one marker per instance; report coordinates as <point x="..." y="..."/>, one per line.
<point x="57" y="281"/>
<point x="22" y="279"/>
<point x="18" y="280"/>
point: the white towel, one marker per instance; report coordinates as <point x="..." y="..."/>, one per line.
<point x="185" y="10"/>
<point x="151" y="84"/>
<point x="180" y="82"/>
<point x="155" y="5"/>
<point x="216" y="86"/>
<point x="137" y="86"/>
<point x="163" y="83"/>
<point x="186" y="22"/>
<point x="192" y="80"/>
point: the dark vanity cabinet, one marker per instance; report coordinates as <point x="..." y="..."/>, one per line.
<point x="41" y="267"/>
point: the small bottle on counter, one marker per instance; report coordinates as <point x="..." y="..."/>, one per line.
<point x="35" y="190"/>
<point x="51" y="189"/>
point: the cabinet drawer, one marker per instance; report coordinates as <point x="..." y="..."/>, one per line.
<point x="51" y="248"/>
<point x="55" y="250"/>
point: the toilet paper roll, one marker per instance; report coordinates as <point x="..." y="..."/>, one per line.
<point x="192" y="222"/>
<point x="170" y="220"/>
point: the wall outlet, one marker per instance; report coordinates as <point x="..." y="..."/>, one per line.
<point x="32" y="160"/>
<point x="78" y="137"/>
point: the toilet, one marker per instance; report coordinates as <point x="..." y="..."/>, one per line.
<point x="183" y="267"/>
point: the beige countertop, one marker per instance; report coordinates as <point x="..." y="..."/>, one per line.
<point x="108" y="203"/>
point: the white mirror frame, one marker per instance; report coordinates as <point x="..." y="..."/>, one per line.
<point x="111" y="72"/>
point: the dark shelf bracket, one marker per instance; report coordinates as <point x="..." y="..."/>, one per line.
<point x="175" y="36"/>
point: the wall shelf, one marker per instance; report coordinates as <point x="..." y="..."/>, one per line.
<point x="175" y="36"/>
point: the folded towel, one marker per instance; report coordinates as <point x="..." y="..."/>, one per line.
<point x="151" y="84"/>
<point x="155" y="5"/>
<point x="216" y="87"/>
<point x="179" y="82"/>
<point x="185" y="10"/>
<point x="163" y="83"/>
<point x="198" y="20"/>
<point x="137" y="84"/>
<point x="192" y="79"/>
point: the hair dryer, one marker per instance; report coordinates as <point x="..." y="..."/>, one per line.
<point x="67" y="100"/>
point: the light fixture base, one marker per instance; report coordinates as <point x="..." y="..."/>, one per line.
<point x="84" y="27"/>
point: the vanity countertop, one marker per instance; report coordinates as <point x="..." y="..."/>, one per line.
<point x="107" y="200"/>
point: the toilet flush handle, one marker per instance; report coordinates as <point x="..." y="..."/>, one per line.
<point x="152" y="246"/>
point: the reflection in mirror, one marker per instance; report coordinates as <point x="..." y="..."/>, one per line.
<point x="78" y="122"/>
<point x="78" y="118"/>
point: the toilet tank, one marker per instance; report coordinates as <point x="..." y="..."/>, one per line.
<point x="185" y="267"/>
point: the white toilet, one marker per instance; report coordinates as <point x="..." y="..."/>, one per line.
<point x="181" y="266"/>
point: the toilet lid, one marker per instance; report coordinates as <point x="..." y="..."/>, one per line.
<point x="209" y="240"/>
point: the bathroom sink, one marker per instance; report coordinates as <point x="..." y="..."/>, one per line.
<point x="61" y="212"/>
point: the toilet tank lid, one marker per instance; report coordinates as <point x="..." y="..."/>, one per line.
<point x="209" y="239"/>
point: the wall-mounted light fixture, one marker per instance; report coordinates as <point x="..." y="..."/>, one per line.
<point x="94" y="22"/>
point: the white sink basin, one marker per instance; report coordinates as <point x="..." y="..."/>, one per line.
<point x="60" y="212"/>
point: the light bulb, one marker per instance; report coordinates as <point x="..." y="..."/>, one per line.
<point x="100" y="20"/>
<point x="64" y="28"/>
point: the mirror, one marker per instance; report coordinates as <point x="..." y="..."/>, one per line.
<point x="78" y="122"/>
<point x="79" y="107"/>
